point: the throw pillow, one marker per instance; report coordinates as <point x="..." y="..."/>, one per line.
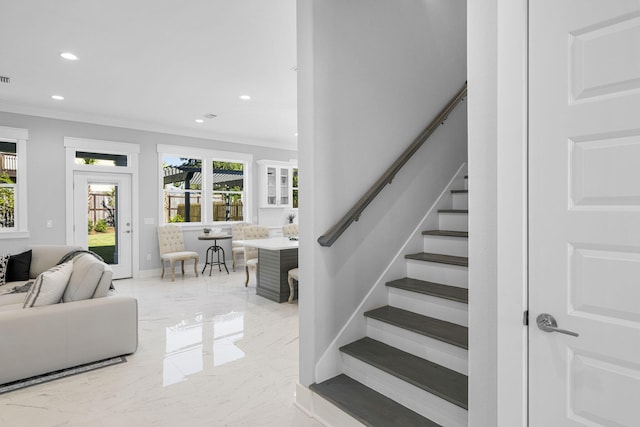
<point x="18" y="267"/>
<point x="49" y="286"/>
<point x="86" y="274"/>
<point x="4" y="260"/>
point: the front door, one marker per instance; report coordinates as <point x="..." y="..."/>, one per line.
<point x="102" y="218"/>
<point x="584" y="212"/>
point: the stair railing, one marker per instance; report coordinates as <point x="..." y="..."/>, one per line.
<point x="333" y="233"/>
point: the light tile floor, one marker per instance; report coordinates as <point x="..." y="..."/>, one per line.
<point x="211" y="353"/>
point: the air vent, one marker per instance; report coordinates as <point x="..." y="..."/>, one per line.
<point x="4" y="79"/>
<point x="210" y="116"/>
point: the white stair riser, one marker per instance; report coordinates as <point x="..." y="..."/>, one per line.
<point x="446" y="274"/>
<point x="453" y="221"/>
<point x="458" y="246"/>
<point x="427" y="305"/>
<point x="331" y="415"/>
<point x="426" y="404"/>
<point x="460" y="200"/>
<point x="439" y="352"/>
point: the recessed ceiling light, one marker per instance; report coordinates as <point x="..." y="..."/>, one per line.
<point x="295" y="134"/>
<point x="199" y="121"/>
<point x="245" y="97"/>
<point x="57" y="97"/>
<point x="68" y="55"/>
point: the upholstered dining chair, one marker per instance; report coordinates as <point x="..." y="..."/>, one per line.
<point x="290" y="230"/>
<point x="251" y="232"/>
<point x="237" y="248"/>
<point x="292" y="276"/>
<point x="171" y="242"/>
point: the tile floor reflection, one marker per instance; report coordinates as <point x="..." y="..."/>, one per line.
<point x="211" y="353"/>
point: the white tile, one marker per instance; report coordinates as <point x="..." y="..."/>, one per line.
<point x="211" y="353"/>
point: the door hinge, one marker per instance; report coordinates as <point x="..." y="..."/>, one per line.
<point x="525" y="318"/>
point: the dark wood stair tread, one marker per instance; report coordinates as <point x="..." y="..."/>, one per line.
<point x="459" y="191"/>
<point x="439" y="258"/>
<point x="440" y="330"/>
<point x="453" y="293"/>
<point x="431" y="377"/>
<point x="367" y="405"/>
<point x="445" y="233"/>
<point x="456" y="211"/>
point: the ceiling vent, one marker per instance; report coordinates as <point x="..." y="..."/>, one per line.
<point x="210" y="116"/>
<point x="5" y="79"/>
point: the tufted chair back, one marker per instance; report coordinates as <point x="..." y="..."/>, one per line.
<point x="290" y="230"/>
<point x="236" y="230"/>
<point x="170" y="239"/>
<point x="251" y="232"/>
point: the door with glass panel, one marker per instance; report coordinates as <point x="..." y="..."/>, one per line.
<point x="102" y="218"/>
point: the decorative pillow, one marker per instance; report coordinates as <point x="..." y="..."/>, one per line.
<point x="49" y="286"/>
<point x="4" y="260"/>
<point x="86" y="274"/>
<point x="18" y="267"/>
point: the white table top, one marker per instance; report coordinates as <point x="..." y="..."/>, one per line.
<point x="272" y="243"/>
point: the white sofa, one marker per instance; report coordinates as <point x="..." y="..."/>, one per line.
<point x="47" y="338"/>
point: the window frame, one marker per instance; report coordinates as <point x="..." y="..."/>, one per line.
<point x="19" y="137"/>
<point x="208" y="157"/>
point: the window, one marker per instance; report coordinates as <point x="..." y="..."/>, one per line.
<point x="101" y="159"/>
<point x="182" y="187"/>
<point x="13" y="200"/>
<point x="228" y="190"/>
<point x="8" y="184"/>
<point x="203" y="186"/>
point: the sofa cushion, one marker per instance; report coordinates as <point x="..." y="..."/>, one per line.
<point x="18" y="266"/>
<point x="12" y="299"/>
<point x="86" y="274"/>
<point x="49" y="286"/>
<point x="104" y="286"/>
<point x="46" y="256"/>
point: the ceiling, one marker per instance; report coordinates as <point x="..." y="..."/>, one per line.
<point x="156" y="65"/>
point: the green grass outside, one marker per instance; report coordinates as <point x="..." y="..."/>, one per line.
<point x="103" y="244"/>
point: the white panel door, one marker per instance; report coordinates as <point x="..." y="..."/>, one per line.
<point x="102" y="219"/>
<point x="584" y="212"/>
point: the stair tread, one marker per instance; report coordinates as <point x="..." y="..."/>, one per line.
<point x="441" y="330"/>
<point x="439" y="258"/>
<point x="431" y="377"/>
<point x="459" y="191"/>
<point x="460" y="211"/>
<point x="367" y="405"/>
<point x="453" y="293"/>
<point x="447" y="233"/>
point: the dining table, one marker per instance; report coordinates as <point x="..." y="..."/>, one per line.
<point x="276" y="256"/>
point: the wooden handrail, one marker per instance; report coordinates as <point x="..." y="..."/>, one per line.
<point x="332" y="234"/>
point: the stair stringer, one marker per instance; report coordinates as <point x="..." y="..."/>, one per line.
<point x="330" y="363"/>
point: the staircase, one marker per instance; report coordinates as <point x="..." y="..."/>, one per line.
<point x="411" y="368"/>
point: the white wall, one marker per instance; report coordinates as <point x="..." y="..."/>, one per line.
<point x="497" y="34"/>
<point x="482" y="63"/>
<point x="372" y="74"/>
<point x="46" y="177"/>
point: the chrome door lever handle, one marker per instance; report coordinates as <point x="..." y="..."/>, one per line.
<point x="547" y="323"/>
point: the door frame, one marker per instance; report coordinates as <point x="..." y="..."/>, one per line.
<point x="107" y="147"/>
<point x="497" y="34"/>
<point x="123" y="182"/>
